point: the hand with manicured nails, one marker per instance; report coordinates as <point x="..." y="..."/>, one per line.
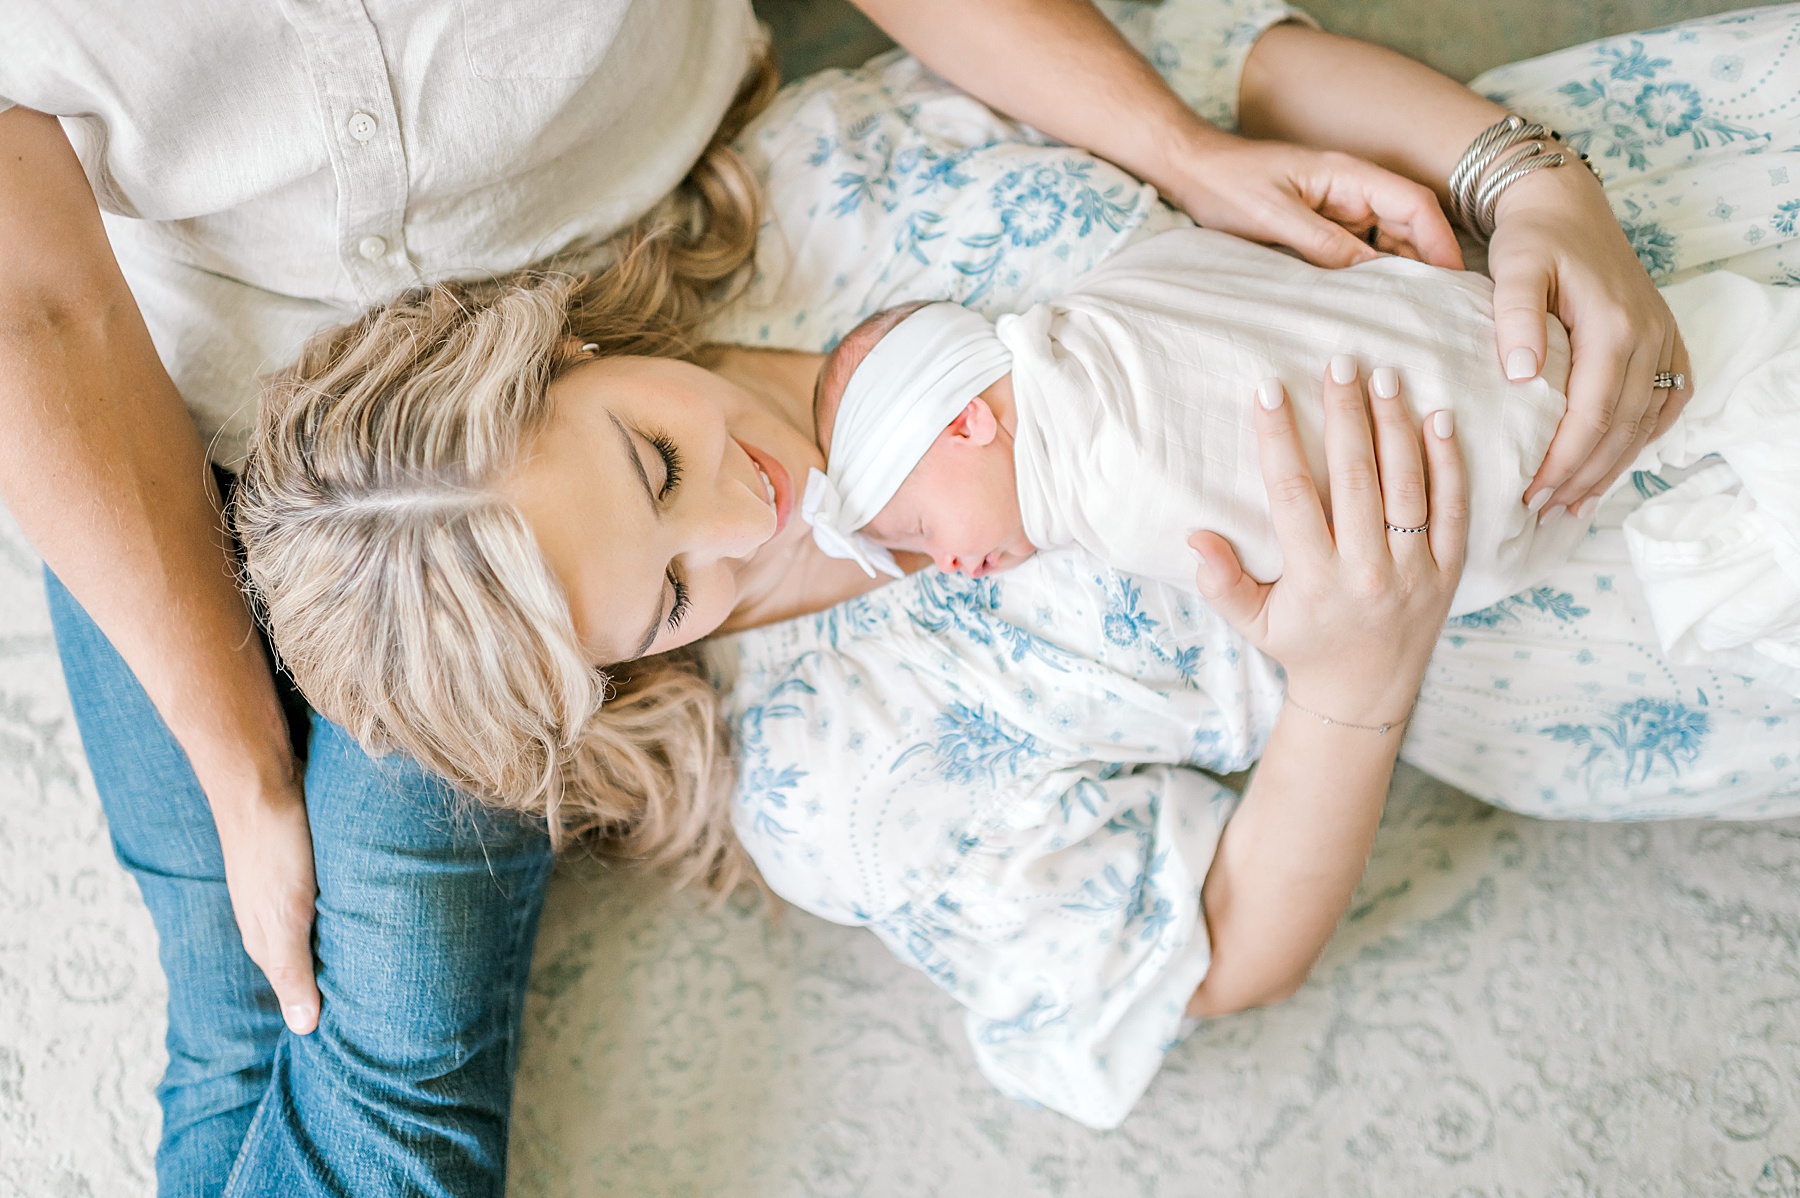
<point x="1357" y="610"/>
<point x="1558" y="248"/>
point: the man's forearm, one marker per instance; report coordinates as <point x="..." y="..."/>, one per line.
<point x="103" y="469"/>
<point x="1335" y="93"/>
<point x="1059" y="66"/>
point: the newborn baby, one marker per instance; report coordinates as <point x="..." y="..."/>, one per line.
<point x="1116" y="417"/>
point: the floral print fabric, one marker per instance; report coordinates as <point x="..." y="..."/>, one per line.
<point x="1001" y="778"/>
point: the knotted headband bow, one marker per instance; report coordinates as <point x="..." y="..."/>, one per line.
<point x="899" y="398"/>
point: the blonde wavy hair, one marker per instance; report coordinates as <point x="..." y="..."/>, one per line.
<point x="410" y="601"/>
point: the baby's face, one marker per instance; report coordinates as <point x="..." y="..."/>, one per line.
<point x="960" y="507"/>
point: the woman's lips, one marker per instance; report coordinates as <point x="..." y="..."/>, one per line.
<point x="780" y="481"/>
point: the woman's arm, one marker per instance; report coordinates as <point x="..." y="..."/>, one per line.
<point x="1061" y="66"/>
<point x="1557" y="246"/>
<point x="102" y="467"/>
<point x="1353" y="620"/>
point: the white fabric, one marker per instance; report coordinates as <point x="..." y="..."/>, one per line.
<point x="329" y="154"/>
<point x="1719" y="553"/>
<point x="1134" y="393"/>
<point x="1135" y="428"/>
<point x="898" y="399"/>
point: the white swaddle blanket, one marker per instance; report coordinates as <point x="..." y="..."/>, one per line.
<point x="1135" y="430"/>
<point x="1134" y="391"/>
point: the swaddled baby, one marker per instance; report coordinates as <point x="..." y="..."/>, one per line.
<point x="1116" y="417"/>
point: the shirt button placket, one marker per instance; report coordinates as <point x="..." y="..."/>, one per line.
<point x="351" y="78"/>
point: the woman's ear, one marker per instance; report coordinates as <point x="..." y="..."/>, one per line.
<point x="975" y="423"/>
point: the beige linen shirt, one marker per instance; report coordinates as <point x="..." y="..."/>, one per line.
<point x="268" y="168"/>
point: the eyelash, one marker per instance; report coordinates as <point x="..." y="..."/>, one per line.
<point x="671" y="458"/>
<point x="680" y="607"/>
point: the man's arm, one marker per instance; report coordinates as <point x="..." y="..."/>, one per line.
<point x="103" y="468"/>
<point x="1062" y="67"/>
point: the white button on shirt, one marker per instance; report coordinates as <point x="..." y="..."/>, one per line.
<point x="326" y="158"/>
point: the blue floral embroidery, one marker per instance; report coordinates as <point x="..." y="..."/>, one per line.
<point x="1630" y="122"/>
<point x="1786" y="218"/>
<point x="762" y="788"/>
<point x="1653" y="245"/>
<point x="1668" y="108"/>
<point x="1037" y="1016"/>
<point x="1559" y="605"/>
<point x="970" y="606"/>
<point x="1126" y="626"/>
<point x="1640" y="734"/>
<point x="975" y="745"/>
<point x="1033" y="204"/>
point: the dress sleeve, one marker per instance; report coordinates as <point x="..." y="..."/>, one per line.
<point x="1199" y="46"/>
<point x="1070" y="927"/>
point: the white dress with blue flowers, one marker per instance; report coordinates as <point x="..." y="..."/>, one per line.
<point x="1002" y="778"/>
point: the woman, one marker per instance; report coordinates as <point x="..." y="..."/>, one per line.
<point x="419" y="545"/>
<point x="327" y="159"/>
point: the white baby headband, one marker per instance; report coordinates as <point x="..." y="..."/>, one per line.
<point x="899" y="398"/>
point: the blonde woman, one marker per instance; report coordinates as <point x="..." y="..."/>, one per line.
<point x="483" y="519"/>
<point x="171" y="231"/>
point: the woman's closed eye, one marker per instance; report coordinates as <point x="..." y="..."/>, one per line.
<point x="671" y="463"/>
<point x="679" y="608"/>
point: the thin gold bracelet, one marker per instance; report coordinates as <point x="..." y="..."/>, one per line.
<point x="1377" y="729"/>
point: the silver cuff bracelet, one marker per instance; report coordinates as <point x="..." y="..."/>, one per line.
<point x="1500" y="156"/>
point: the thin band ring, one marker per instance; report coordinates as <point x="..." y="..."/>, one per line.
<point x="1667" y="380"/>
<point x="1397" y="528"/>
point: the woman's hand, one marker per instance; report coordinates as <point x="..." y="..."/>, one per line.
<point x="1558" y="247"/>
<point x="1320" y="203"/>
<point x="1353" y="617"/>
<point x="1358" y="607"/>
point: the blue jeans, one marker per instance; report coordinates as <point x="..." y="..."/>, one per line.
<point x="427" y="910"/>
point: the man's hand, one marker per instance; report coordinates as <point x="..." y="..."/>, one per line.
<point x="269" y="872"/>
<point x="1321" y="204"/>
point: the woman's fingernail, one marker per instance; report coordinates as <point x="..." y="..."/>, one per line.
<point x="1443" y="423"/>
<point x="1269" y="394"/>
<point x="1385" y="382"/>
<point x="1586" y="509"/>
<point x="1552" y="515"/>
<point x="1343" y="368"/>
<point x="298" y="1015"/>
<point x="1521" y="364"/>
<point x="1539" y="500"/>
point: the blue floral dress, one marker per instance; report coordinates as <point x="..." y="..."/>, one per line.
<point x="1003" y="779"/>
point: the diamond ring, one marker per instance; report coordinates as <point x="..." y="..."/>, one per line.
<point x="1663" y="379"/>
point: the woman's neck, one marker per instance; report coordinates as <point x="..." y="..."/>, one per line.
<point x="788" y="576"/>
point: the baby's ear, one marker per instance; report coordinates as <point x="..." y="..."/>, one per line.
<point x="975" y="423"/>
